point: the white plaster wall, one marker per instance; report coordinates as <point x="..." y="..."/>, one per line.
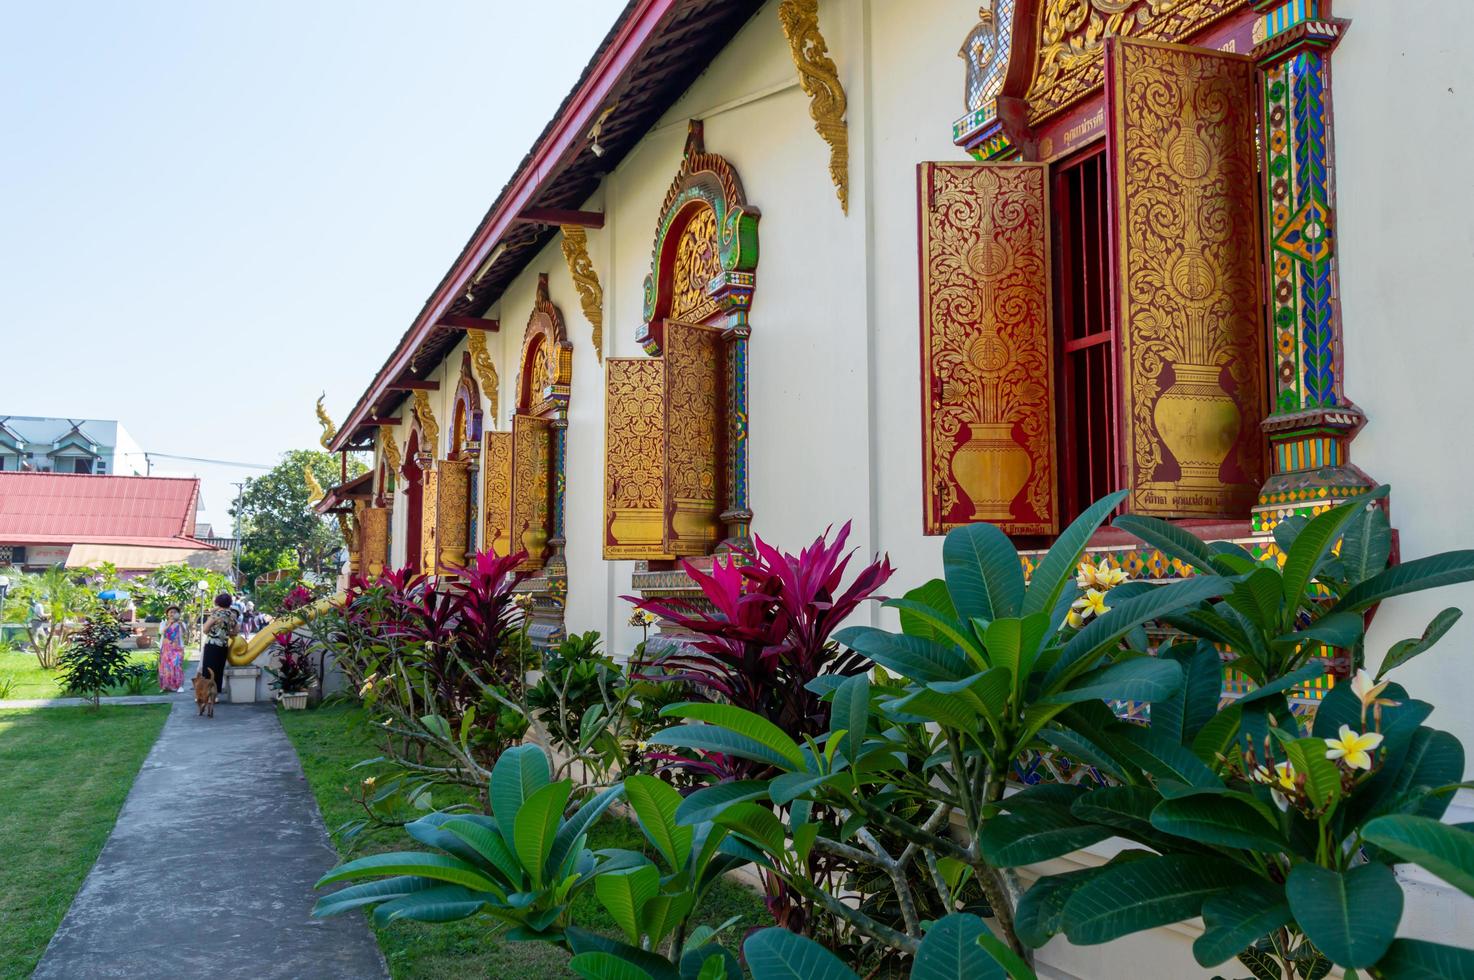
<point x="835" y="417"/>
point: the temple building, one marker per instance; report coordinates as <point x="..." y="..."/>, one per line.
<point x="778" y="265"/>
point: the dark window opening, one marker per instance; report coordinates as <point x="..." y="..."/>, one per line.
<point x="1088" y="423"/>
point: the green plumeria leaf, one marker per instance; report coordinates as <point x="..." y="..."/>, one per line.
<point x="1446" y="851"/>
<point x="744" y="723"/>
<point x="1218" y="820"/>
<point x="1162" y="757"/>
<point x="714" y="738"/>
<point x="1169" y="539"/>
<point x="624" y="893"/>
<point x="913" y="657"/>
<point x="1350" y="916"/>
<point x="518" y="773"/>
<point x="1143" y="894"/>
<point x="370" y="893"/>
<point x="537" y="827"/>
<point x="655" y="803"/>
<point x="1138" y="679"/>
<point x="447" y="903"/>
<point x="1183" y="714"/>
<point x="1235" y="918"/>
<point x="705" y="804"/>
<point x="1416" y="959"/>
<point x="1432" y="572"/>
<point x="950" y="951"/>
<point x="605" y="966"/>
<point x="1404" y="650"/>
<point x="983" y="573"/>
<point x="1035" y="835"/>
<point x="1057" y="568"/>
<point x="1314" y="543"/>
<point x="777" y="954"/>
<point x="439" y="867"/>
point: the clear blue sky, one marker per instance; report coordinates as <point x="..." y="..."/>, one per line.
<point x="211" y="211"/>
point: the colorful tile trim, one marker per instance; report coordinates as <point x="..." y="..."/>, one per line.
<point x="1305" y="454"/>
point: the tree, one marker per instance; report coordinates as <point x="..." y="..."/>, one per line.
<point x="61" y="595"/>
<point x="93" y="661"/>
<point x="278" y="526"/>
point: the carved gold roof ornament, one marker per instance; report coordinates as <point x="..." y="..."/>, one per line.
<point x="985" y="52"/>
<point x="1070" y="60"/>
<point x="586" y="281"/>
<point x="485" y="369"/>
<point x="428" y="426"/>
<point x="329" y="430"/>
<point x="315" y="491"/>
<point x="819" y="79"/>
<point x="389" y="447"/>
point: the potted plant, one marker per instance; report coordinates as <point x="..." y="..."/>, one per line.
<point x="293" y="673"/>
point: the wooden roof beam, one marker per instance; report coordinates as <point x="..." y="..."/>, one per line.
<point x="389" y="421"/>
<point x="561" y="216"/>
<point x="455" y="321"/>
<point x="411" y="384"/>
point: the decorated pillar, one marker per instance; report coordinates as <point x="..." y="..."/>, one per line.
<point x="557" y="563"/>
<point x="735" y="294"/>
<point x="1312" y="422"/>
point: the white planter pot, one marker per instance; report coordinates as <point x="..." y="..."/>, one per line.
<point x="296" y="701"/>
<point x="240" y="685"/>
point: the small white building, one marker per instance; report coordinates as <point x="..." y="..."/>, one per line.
<point x="55" y="445"/>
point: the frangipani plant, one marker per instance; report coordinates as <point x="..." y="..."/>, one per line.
<point x="521" y="866"/>
<point x="985" y="668"/>
<point x="1279" y="829"/>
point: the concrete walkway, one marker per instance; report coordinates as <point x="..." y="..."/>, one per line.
<point x="209" y="870"/>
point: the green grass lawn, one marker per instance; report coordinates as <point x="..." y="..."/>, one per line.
<point x="33" y="682"/>
<point x="64" y="773"/>
<point x="331" y="739"/>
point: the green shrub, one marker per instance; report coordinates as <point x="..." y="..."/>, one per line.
<point x="93" y="661"/>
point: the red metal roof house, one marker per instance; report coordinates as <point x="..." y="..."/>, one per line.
<point x="136" y="522"/>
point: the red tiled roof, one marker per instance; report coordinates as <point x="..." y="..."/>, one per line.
<point x="66" y="508"/>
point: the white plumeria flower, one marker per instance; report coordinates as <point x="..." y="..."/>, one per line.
<point x="1353" y="748"/>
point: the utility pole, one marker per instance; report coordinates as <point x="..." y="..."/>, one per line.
<point x="235" y="532"/>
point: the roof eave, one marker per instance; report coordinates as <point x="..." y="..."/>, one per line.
<point x="631" y="33"/>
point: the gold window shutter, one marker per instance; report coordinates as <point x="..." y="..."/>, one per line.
<point x="497" y="509"/>
<point x="1182" y="156"/>
<point x="987" y="359"/>
<point x="531" y="492"/>
<point x="695" y="421"/>
<point x="634" y="458"/>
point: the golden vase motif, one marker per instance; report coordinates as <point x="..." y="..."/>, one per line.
<point x="535" y="541"/>
<point x="1198" y="422"/>
<point x="636" y="526"/>
<point x="991" y="467"/>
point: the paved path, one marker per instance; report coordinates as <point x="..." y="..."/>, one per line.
<point x="157" y="905"/>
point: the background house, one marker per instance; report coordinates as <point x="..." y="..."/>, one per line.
<point x="53" y="445"/>
<point x="136" y="522"/>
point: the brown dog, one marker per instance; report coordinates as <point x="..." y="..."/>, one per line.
<point x="206" y="691"/>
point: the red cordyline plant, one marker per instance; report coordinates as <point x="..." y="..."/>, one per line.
<point x="768" y="636"/>
<point x="464" y="628"/>
<point x="765" y="640"/>
<point x="296" y="599"/>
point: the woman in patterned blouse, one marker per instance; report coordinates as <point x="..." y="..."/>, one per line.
<point x="222" y="624"/>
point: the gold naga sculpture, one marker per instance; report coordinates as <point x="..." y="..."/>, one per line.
<point x="315" y="491"/>
<point x="329" y="430"/>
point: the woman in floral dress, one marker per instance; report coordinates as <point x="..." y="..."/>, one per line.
<point x="171" y="652"/>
